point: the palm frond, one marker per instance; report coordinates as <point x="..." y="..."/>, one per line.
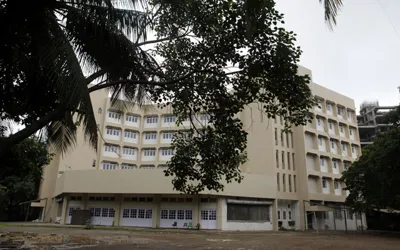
<point x="62" y="134"/>
<point x="332" y="8"/>
<point x="62" y="66"/>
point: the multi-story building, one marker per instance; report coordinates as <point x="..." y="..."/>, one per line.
<point x="372" y="120"/>
<point x="291" y="180"/>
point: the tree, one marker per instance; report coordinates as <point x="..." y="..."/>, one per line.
<point x="20" y="175"/>
<point x="374" y="180"/>
<point x="217" y="57"/>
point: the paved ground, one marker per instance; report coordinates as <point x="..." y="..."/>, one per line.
<point x="64" y="238"/>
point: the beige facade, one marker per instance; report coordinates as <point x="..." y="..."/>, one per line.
<point x="291" y="179"/>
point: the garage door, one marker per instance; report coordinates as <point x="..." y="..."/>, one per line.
<point x="102" y="216"/>
<point x="208" y="219"/>
<point x="69" y="215"/>
<point x="179" y="218"/>
<point x="137" y="217"/>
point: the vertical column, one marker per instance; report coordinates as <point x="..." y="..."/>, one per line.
<point x="85" y="198"/>
<point x="274" y="216"/>
<point x="156" y="212"/>
<point x="196" y="210"/>
<point x="118" y="207"/>
<point x="221" y="207"/>
<point x="301" y="215"/>
<point x="64" y="209"/>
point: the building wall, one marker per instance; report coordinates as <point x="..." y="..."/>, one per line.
<point x="284" y="167"/>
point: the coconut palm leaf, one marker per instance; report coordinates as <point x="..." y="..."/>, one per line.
<point x="332" y="8"/>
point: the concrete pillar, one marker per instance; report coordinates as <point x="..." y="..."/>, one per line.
<point x="221" y="205"/>
<point x="118" y="201"/>
<point x="156" y="212"/>
<point x="274" y="216"/>
<point x="196" y="210"/>
<point x="64" y="209"/>
<point x="301" y="215"/>
<point x="85" y="198"/>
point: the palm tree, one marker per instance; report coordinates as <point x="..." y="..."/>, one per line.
<point x="332" y="7"/>
<point x="45" y="48"/>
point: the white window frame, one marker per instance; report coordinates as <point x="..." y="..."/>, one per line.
<point x="128" y="151"/>
<point x="149" y="152"/>
<point x="334" y="164"/>
<point x="169" y="119"/>
<point x="324" y="184"/>
<point x="131" y="118"/>
<point x="332" y="144"/>
<point x="150" y="136"/>
<point x="322" y="161"/>
<point x="328" y="106"/>
<point x="151" y="119"/>
<point x="126" y="166"/>
<point x="130" y="134"/>
<point x="167" y="152"/>
<point x="168" y="135"/>
<point x="111" y="148"/>
<point x="106" y="165"/>
<point x="336" y="184"/>
<point x="114" y="115"/>
<point x="344" y="147"/>
<point x="320" y="141"/>
<point x="113" y="131"/>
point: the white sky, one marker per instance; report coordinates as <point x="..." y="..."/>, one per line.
<point x="360" y="58"/>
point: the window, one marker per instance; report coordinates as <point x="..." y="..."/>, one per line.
<point x="353" y="149"/>
<point x="278" y="182"/>
<point x="109" y="165"/>
<point x="279" y="215"/>
<point x="125" y="213"/>
<point x="294" y="183"/>
<point x="244" y="212"/>
<point x="334" y="162"/>
<point x="348" y="114"/>
<point x="290" y="215"/>
<point x="163" y="166"/>
<point x="167" y="151"/>
<point x="188" y="214"/>
<point x="277" y="158"/>
<point x="341" y="129"/>
<point x="293" y="162"/>
<point x="141" y="213"/>
<point x="284" y="182"/>
<point x="330" y="125"/>
<point x="169" y="119"/>
<point x="291" y="139"/>
<point x="328" y="106"/>
<point x="290" y="183"/>
<point x="288" y="160"/>
<point x="276" y="136"/>
<point x="94" y="163"/>
<point x="287" y="139"/>
<point x="164" y="214"/>
<point x="338" y="214"/>
<point x="351" y="131"/>
<point x="332" y="144"/>
<point x="350" y="215"/>
<point x="320" y="140"/>
<point x="72" y="209"/>
<point x="151" y="119"/>
<point x="113" y="131"/>
<point x="322" y="161"/>
<point x="150" y="136"/>
<point x="99" y="111"/>
<point x="282" y="140"/>
<point x="114" y="115"/>
<point x="134" y="213"/>
<point x="168" y="135"/>
<point x="130" y="134"/>
<point x="131" y="118"/>
<point x="180" y="215"/>
<point x="326" y="215"/>
<point x="339" y="111"/>
<point x="172" y="214"/>
<point x="283" y="160"/>
<point x="127" y="166"/>
<point x="284" y="215"/>
<point x="149" y="152"/>
<point x="149" y="213"/>
<point x="336" y="184"/>
<point x="147" y="166"/>
<point x="344" y="148"/>
<point x="323" y="182"/>
<point x="319" y="122"/>
<point x="128" y="151"/>
<point x="111" y="148"/>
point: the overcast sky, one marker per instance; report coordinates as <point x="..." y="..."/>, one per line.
<point x="360" y="58"/>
